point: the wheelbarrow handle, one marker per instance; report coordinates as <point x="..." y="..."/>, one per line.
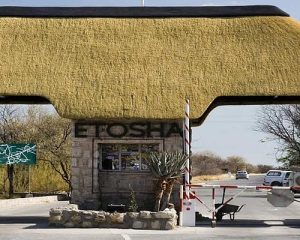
<point x="240" y="208"/>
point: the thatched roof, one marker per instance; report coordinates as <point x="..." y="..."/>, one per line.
<point x="114" y="66"/>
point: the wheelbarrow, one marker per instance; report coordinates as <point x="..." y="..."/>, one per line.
<point x="227" y="209"/>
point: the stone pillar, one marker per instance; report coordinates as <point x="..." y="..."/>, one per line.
<point x="83" y="193"/>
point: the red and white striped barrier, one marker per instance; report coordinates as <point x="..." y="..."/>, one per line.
<point x="242" y="187"/>
<point x="187" y="212"/>
<point x="187" y="146"/>
<point x="193" y="197"/>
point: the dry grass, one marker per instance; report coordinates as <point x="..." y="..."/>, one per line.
<point x="43" y="179"/>
<point x="204" y="178"/>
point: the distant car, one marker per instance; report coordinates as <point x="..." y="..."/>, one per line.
<point x="241" y="175"/>
<point x="277" y="178"/>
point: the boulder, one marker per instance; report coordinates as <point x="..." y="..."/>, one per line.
<point x="132" y="215"/>
<point x="117" y="218"/>
<point x="166" y="214"/>
<point x="87" y="224"/>
<point x="137" y="224"/>
<point x="171" y="224"/>
<point x="155" y="225"/>
<point x="55" y="220"/>
<point x="145" y="214"/>
<point x="69" y="225"/>
<point x="87" y="215"/>
<point x="100" y="218"/>
<point x="55" y="211"/>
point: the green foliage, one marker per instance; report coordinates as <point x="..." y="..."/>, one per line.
<point x="166" y="167"/>
<point x="290" y="157"/>
<point x="51" y="134"/>
<point x="208" y="163"/>
<point x="133" y="206"/>
<point x="166" y="164"/>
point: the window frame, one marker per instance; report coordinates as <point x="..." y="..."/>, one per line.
<point x="98" y="153"/>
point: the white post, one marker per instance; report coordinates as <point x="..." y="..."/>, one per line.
<point x="143" y="3"/>
<point x="181" y="205"/>
<point x="188" y="204"/>
<point x="29" y="187"/>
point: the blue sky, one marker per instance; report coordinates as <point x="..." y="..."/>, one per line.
<point x="228" y="130"/>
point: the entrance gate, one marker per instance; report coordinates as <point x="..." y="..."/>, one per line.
<point x="189" y="200"/>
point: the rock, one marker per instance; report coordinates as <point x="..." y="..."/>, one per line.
<point x="132" y="215"/>
<point x="171" y="224"/>
<point x="86" y="215"/>
<point x="87" y="219"/>
<point x="100" y="218"/>
<point x="137" y="225"/>
<point x="87" y="224"/>
<point x="117" y="218"/>
<point x="166" y="214"/>
<point x="57" y="219"/>
<point x="69" y="225"/>
<point x="145" y="214"/>
<point x="155" y="225"/>
<point x="55" y="211"/>
<point x="72" y="206"/>
<point x="66" y="215"/>
<point x="76" y="219"/>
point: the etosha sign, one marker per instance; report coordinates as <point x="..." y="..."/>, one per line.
<point x="131" y="130"/>
<point x="17" y="154"/>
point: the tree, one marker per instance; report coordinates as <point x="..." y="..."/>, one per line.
<point x="10" y="132"/>
<point x="46" y="129"/>
<point x="52" y="133"/>
<point x="235" y="163"/>
<point x="282" y="124"/>
<point x="261" y="168"/>
<point x="166" y="168"/>
<point x="207" y="163"/>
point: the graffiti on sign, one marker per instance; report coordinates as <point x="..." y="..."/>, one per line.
<point x="17" y="153"/>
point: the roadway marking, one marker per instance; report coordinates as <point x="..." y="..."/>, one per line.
<point x="125" y="236"/>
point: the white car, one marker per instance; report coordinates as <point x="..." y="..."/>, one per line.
<point x="241" y="175"/>
<point x="277" y="178"/>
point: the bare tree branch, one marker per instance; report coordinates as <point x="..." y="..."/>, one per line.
<point x="282" y="123"/>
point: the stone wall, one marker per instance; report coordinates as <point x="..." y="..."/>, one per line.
<point x="71" y="217"/>
<point x="94" y="188"/>
<point x="114" y="188"/>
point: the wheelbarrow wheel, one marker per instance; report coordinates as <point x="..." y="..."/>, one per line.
<point x="219" y="216"/>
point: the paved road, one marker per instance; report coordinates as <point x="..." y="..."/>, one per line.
<point x="257" y="212"/>
<point x="258" y="220"/>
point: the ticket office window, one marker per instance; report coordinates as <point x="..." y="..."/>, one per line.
<point x="125" y="157"/>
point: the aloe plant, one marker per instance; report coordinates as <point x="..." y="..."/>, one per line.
<point x="166" y="168"/>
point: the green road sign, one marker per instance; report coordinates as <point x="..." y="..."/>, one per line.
<point x="17" y="154"/>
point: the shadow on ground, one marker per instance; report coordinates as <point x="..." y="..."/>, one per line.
<point x="36" y="221"/>
<point x="294" y="223"/>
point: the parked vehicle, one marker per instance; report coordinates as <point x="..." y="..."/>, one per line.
<point x="241" y="175"/>
<point x="294" y="180"/>
<point x="277" y="178"/>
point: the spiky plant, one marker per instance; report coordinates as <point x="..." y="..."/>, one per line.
<point x="133" y="206"/>
<point x="166" y="168"/>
